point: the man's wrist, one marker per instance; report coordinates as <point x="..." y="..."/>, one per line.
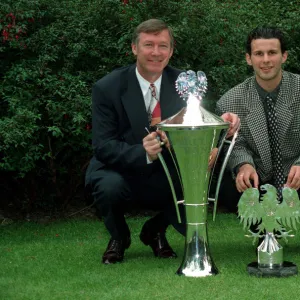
<point x="237" y="168"/>
<point x="149" y="160"/>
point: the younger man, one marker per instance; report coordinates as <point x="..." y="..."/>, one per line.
<point x="267" y="149"/>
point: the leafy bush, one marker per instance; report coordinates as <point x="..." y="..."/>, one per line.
<point x="53" y="51"/>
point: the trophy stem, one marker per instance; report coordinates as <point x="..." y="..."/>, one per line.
<point x="197" y="261"/>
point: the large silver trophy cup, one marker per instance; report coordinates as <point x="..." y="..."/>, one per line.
<point x="193" y="133"/>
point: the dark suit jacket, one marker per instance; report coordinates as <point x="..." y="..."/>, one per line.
<point x="120" y="117"/>
<point x="252" y="145"/>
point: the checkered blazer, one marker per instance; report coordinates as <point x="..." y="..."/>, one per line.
<point x="252" y="145"/>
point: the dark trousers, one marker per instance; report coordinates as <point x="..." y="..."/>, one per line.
<point x="228" y="194"/>
<point x="113" y="191"/>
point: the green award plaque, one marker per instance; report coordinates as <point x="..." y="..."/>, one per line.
<point x="272" y="219"/>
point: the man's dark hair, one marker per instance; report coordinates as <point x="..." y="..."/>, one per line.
<point x="152" y="26"/>
<point x="265" y="32"/>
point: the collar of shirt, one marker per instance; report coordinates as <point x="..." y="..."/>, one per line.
<point x="144" y="84"/>
<point x="263" y="93"/>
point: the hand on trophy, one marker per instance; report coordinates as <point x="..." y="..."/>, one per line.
<point x="246" y="174"/>
<point x="153" y="143"/>
<point x="212" y="158"/>
<point x="234" y="121"/>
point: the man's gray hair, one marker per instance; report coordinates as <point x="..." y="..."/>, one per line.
<point x="152" y="26"/>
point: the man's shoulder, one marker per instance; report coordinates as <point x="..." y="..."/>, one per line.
<point x="115" y="76"/>
<point x="290" y="86"/>
<point x="171" y="69"/>
<point x="239" y="90"/>
<point x="291" y="77"/>
<point x="170" y="74"/>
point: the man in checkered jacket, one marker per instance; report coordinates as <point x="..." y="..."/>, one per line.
<point x="251" y="161"/>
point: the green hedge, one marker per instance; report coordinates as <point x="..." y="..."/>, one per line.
<point x="53" y="51"/>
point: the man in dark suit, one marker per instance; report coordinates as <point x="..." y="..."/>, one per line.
<point x="253" y="160"/>
<point x="125" y="166"/>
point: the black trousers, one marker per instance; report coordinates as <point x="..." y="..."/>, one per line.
<point x="228" y="194"/>
<point x="113" y="191"/>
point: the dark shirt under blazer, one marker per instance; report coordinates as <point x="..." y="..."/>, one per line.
<point x="252" y="145"/>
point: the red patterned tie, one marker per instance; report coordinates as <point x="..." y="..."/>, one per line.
<point x="154" y="107"/>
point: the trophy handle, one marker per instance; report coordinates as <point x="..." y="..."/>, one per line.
<point x="231" y="145"/>
<point x="163" y="163"/>
<point x="178" y="173"/>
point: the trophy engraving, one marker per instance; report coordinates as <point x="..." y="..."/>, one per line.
<point x="193" y="132"/>
<point x="272" y="219"/>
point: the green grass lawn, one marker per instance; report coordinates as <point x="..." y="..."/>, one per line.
<point x="62" y="260"/>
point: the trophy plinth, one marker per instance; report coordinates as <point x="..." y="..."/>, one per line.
<point x="272" y="217"/>
<point x="285" y="270"/>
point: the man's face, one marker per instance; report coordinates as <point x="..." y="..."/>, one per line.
<point x="266" y="59"/>
<point x="153" y="52"/>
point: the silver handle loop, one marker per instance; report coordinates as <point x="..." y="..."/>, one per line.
<point x="215" y="199"/>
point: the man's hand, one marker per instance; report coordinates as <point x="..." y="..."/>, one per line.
<point x="212" y="158"/>
<point x="293" y="180"/>
<point x="153" y="146"/>
<point x="234" y="123"/>
<point x="245" y="174"/>
<point x="163" y="138"/>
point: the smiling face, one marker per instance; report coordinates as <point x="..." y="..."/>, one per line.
<point x="152" y="51"/>
<point x="266" y="59"/>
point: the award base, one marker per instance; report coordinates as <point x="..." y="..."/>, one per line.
<point x="287" y="269"/>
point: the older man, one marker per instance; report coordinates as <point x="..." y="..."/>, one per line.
<point x="125" y="166"/>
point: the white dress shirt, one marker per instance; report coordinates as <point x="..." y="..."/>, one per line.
<point x="145" y="87"/>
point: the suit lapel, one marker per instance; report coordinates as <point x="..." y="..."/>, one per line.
<point x="284" y="101"/>
<point x="134" y="106"/>
<point x="257" y="124"/>
<point x="170" y="102"/>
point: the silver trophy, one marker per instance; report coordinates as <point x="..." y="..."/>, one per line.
<point x="193" y="133"/>
<point x="272" y="219"/>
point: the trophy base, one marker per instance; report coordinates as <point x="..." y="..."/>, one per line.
<point x="197" y="272"/>
<point x="287" y="269"/>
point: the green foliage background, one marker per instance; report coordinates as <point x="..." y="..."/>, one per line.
<point x="53" y="51"/>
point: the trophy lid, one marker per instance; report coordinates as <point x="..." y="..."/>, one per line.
<point x="192" y="87"/>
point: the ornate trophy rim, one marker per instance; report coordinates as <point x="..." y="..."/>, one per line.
<point x="181" y="121"/>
